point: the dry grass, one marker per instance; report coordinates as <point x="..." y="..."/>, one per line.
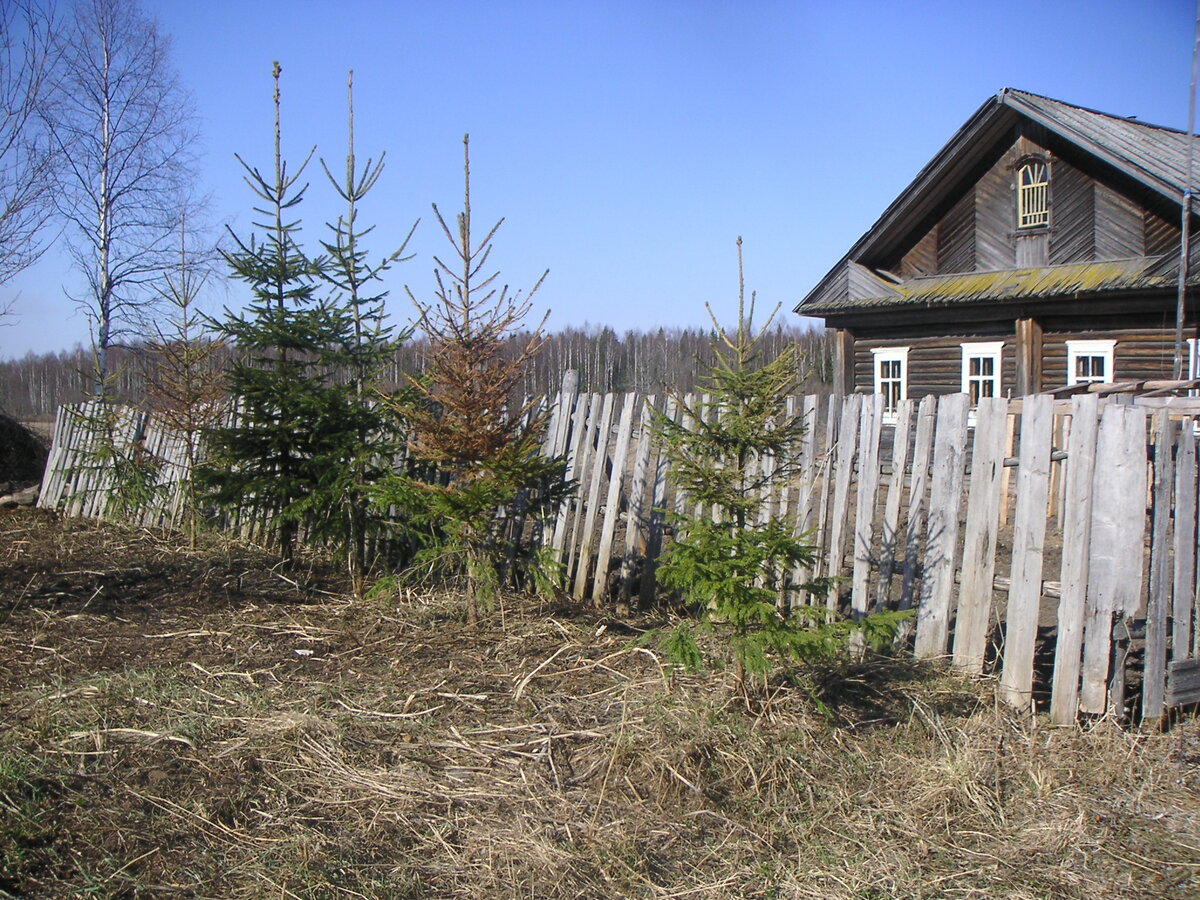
<point x="302" y="746"/>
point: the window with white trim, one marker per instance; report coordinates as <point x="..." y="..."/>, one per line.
<point x="981" y="370"/>
<point x="891" y="377"/>
<point x="1033" y="194"/>
<point x="1090" y="361"/>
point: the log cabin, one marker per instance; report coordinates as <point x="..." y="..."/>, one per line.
<point x="1039" y="248"/>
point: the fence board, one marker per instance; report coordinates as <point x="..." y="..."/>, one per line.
<point x="1117" y="532"/>
<point x="658" y="508"/>
<point x="807" y="489"/>
<point x="1158" y="603"/>
<point x="889" y="536"/>
<point x="612" y="503"/>
<point x="595" y="481"/>
<point x="979" y="541"/>
<point x="945" y="497"/>
<point x="590" y="426"/>
<point x="915" y="528"/>
<point x="864" y="516"/>
<point x="575" y="449"/>
<point x="1184" y="588"/>
<point x="1029" y="539"/>
<point x="1081" y="451"/>
<point x="843" y="471"/>
<point x="635" y="521"/>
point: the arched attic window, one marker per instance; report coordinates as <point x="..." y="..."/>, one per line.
<point x="1033" y="193"/>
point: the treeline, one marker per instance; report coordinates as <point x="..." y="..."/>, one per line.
<point x="34" y="386"/>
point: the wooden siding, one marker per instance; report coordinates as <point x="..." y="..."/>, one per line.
<point x="1073" y="212"/>
<point x="1120" y="226"/>
<point x="994" y="249"/>
<point x="956" y="237"/>
<point x="1139" y="354"/>
<point x="922" y="258"/>
<point x="935" y="363"/>
<point x="1090" y="220"/>
<point x="1161" y="235"/>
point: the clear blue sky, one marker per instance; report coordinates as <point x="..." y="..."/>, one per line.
<point x="628" y="143"/>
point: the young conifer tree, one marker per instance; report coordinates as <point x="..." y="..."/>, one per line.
<point x="372" y="429"/>
<point x="734" y="556"/>
<point x="282" y="450"/>
<point x="475" y="445"/>
<point x="184" y="370"/>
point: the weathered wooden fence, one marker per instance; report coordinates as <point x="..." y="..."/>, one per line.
<point x="1053" y="542"/>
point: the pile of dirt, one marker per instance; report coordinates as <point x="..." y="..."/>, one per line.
<point x="198" y="723"/>
<point x="22" y="455"/>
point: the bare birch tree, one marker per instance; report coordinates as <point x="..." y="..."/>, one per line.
<point x="125" y="129"/>
<point x="27" y="69"/>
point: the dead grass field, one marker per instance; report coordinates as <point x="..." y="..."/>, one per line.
<point x="192" y="724"/>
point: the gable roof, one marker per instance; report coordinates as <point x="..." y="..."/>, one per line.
<point x="1152" y="155"/>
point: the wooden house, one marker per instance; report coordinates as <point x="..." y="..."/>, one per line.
<point x="1039" y="248"/>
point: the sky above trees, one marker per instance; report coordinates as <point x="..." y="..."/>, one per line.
<point x="627" y="144"/>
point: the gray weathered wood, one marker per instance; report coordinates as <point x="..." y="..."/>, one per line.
<point x="1117" y="531"/>
<point x="1029" y="540"/>
<point x="864" y="514"/>
<point x="979" y="540"/>
<point x="1183" y="683"/>
<point x="945" y="498"/>
<point x="634" y="523"/>
<point x="843" y="472"/>
<point x="658" y="509"/>
<point x="575" y="452"/>
<point x="1158" y="604"/>
<point x="595" y="481"/>
<point x="612" y="503"/>
<point x="1184" y="588"/>
<point x="807" y="487"/>
<point x="889" y="537"/>
<point x="1010" y="442"/>
<point x="591" y="427"/>
<point x="917" y="503"/>
<point x="1064" y="697"/>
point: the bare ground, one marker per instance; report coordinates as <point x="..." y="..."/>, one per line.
<point x="195" y="724"/>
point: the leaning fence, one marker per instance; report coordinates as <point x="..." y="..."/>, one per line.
<point x="1050" y="542"/>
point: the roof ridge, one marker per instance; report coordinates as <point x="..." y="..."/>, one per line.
<point x="1131" y="120"/>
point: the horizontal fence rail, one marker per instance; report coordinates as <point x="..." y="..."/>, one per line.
<point x="1052" y="542"/>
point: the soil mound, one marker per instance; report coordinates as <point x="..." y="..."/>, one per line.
<point x="22" y="455"/>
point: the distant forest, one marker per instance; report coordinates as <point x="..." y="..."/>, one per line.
<point x="34" y="386"/>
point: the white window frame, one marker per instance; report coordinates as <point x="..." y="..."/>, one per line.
<point x="993" y="350"/>
<point x="1033" y="199"/>
<point x="890" y="354"/>
<point x="1193" y="367"/>
<point x="1101" y="348"/>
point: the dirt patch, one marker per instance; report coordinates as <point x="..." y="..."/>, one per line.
<point x="200" y="724"/>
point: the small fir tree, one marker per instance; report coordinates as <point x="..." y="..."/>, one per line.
<point x="733" y="557"/>
<point x="475" y="448"/>
<point x="363" y="352"/>
<point x="283" y="451"/>
<point x="184" y="370"/>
